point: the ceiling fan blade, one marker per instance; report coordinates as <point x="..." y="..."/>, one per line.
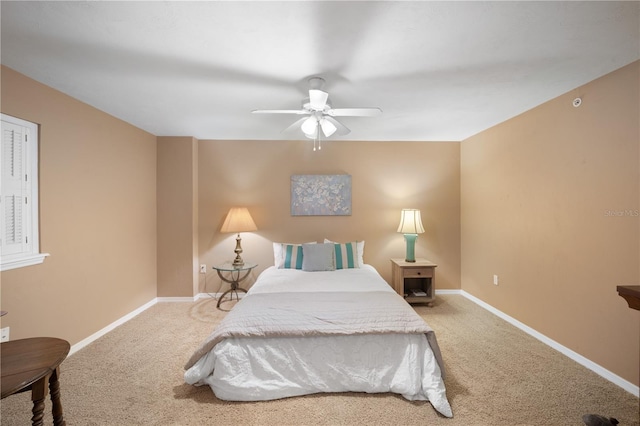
<point x="354" y="112"/>
<point x="295" y="126"/>
<point x="279" y="111"/>
<point x="318" y="99"/>
<point x="341" y="129"/>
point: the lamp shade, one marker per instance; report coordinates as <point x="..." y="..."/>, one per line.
<point x="410" y="222"/>
<point x="310" y="127"/>
<point x="328" y="128"/>
<point x="238" y="220"/>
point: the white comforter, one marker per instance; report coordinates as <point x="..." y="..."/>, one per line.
<point x="258" y="368"/>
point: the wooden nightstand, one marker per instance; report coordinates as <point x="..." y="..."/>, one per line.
<point x="415" y="281"/>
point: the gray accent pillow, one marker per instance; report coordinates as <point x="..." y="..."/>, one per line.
<point x="317" y="257"/>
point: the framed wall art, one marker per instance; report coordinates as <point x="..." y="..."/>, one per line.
<point x="321" y="195"/>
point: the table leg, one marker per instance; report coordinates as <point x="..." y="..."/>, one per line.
<point x="54" y="387"/>
<point x="232" y="290"/>
<point x="38" y="394"/>
<point x="234" y="281"/>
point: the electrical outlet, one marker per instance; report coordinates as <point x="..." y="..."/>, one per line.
<point x="203" y="269"/>
<point x="495" y="280"/>
<point x="4" y="334"/>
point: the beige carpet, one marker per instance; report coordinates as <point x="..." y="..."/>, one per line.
<point x="496" y="375"/>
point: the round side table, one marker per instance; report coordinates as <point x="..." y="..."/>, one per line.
<point x="236" y="274"/>
<point x="34" y="364"/>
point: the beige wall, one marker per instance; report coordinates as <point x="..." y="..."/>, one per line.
<point x="534" y="193"/>
<point x="97" y="218"/>
<point x="177" y="216"/>
<point x="549" y="204"/>
<point x="386" y="177"/>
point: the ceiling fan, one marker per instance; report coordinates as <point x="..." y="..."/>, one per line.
<point x="319" y="113"/>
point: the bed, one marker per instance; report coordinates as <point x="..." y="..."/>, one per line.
<point x="298" y="332"/>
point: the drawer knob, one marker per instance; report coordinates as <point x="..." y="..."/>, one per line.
<point x="418" y="273"/>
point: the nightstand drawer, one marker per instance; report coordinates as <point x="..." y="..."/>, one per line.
<point x="417" y="272"/>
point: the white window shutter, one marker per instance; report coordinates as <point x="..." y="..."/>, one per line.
<point x="15" y="189"/>
<point x="19" y="233"/>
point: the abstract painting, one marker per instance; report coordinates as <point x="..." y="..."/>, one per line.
<point x="321" y="195"/>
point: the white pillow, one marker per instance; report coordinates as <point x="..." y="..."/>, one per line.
<point x="277" y="251"/>
<point x="318" y="257"/>
<point x="359" y="249"/>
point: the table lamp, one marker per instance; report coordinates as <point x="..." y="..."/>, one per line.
<point x="238" y="220"/>
<point x="410" y="226"/>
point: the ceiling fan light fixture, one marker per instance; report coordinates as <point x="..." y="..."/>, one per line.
<point x="309" y="127"/>
<point x="328" y="128"/>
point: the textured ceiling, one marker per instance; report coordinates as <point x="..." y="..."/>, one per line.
<point x="440" y="71"/>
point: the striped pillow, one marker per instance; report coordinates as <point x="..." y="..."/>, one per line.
<point x="291" y="257"/>
<point x="277" y="251"/>
<point x="359" y="247"/>
<point x="346" y="256"/>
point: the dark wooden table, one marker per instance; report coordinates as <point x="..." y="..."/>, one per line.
<point x="630" y="293"/>
<point x="34" y="364"/>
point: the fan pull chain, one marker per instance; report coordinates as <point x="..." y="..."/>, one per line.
<point x="317" y="140"/>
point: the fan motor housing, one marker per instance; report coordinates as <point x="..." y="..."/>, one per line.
<point x="306" y="105"/>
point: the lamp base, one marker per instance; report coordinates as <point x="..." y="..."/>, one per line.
<point x="238" y="262"/>
<point x="411" y="247"/>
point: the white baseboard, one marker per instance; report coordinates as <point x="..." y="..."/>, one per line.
<point x="601" y="371"/>
<point x="194" y="298"/>
<point x="444" y="291"/>
<point x="177" y="299"/>
<point x="95" y="336"/>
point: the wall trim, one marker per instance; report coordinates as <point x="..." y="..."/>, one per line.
<point x="585" y="362"/>
<point x="95" y="336"/>
<point x="176" y="299"/>
<point x="445" y="291"/>
<point x="195" y="298"/>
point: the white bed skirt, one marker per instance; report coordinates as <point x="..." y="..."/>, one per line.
<point x="257" y="369"/>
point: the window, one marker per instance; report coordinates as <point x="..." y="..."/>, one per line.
<point x="19" y="234"/>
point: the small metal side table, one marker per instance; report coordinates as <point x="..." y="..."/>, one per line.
<point x="236" y="275"/>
